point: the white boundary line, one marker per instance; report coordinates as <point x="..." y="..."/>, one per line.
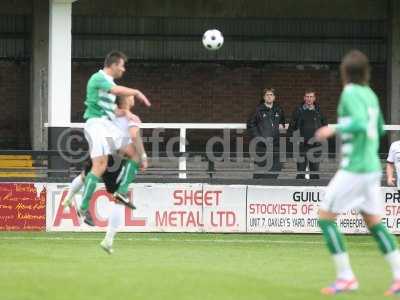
<point x="150" y="239"/>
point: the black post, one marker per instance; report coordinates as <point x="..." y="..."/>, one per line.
<point x="58" y="137"/>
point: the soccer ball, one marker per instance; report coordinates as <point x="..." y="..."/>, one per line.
<point x="213" y="39"/>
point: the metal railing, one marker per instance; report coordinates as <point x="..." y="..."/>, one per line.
<point x="184" y="127"/>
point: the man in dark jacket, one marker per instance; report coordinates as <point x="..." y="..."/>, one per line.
<point x="307" y="118"/>
<point x="264" y="124"/>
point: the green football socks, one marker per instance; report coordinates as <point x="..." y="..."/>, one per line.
<point x="91" y="181"/>
<point x="128" y="175"/>
<point x="333" y="238"/>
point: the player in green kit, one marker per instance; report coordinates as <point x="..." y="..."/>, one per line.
<point x="356" y="184"/>
<point x="103" y="133"/>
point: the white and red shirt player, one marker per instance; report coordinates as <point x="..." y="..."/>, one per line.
<point x="126" y="125"/>
<point x="394" y="158"/>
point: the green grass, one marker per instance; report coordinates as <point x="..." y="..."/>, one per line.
<point x="71" y="266"/>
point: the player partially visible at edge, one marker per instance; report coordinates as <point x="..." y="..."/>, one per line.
<point x="392" y="164"/>
<point x="356" y="184"/>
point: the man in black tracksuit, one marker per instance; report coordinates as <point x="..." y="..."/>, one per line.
<point x="307" y="118"/>
<point x="265" y="124"/>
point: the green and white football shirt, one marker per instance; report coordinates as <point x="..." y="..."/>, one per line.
<point x="361" y="125"/>
<point x="99" y="101"/>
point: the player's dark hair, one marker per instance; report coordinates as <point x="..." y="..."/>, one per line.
<point x="268" y="89"/>
<point x="310" y="91"/>
<point x="355" y="68"/>
<point x="114" y="57"/>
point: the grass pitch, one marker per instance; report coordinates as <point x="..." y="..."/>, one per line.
<point x="66" y="266"/>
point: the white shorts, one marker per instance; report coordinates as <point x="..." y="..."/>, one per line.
<point x="104" y="137"/>
<point x="348" y="190"/>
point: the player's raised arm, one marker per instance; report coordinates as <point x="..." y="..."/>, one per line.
<point x="352" y="126"/>
<point x="120" y="90"/>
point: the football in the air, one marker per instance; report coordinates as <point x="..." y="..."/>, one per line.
<point x="213" y="39"/>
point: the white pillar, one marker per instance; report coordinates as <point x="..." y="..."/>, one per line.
<point x="59" y="79"/>
<point x="59" y="99"/>
<point x="182" y="150"/>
